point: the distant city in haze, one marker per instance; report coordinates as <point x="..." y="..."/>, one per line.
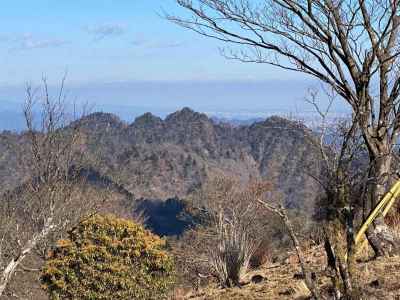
<point x="117" y="61"/>
<point x="225" y="100"/>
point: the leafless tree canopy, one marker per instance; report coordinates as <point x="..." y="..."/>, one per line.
<point x="52" y="195"/>
<point x="235" y="225"/>
<point x="350" y="45"/>
<point x="343" y="43"/>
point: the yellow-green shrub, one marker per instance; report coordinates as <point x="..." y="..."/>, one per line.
<point x="108" y="258"/>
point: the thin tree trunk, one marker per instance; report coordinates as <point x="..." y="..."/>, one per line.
<point x="308" y="278"/>
<point x="340" y="255"/>
<point x="12" y="266"/>
<point x="310" y="282"/>
<point x="10" y="269"/>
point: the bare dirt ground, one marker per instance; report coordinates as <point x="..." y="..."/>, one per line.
<point x="378" y="279"/>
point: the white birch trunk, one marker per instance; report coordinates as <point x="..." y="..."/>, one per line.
<point x="10" y="269"/>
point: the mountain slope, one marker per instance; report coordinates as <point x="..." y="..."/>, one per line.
<point x="152" y="163"/>
<point x="161" y="159"/>
<point x="155" y="158"/>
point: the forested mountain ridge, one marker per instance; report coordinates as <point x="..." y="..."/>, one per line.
<point x="154" y="158"/>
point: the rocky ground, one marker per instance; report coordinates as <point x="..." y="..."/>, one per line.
<point x="378" y="279"/>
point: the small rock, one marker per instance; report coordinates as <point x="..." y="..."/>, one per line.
<point x="374" y="283"/>
<point x="257" y="278"/>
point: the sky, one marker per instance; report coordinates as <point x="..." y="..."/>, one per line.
<point x="126" y="50"/>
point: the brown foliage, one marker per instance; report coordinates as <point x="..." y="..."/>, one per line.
<point x="233" y="227"/>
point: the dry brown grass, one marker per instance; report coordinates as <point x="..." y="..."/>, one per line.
<point x="378" y="279"/>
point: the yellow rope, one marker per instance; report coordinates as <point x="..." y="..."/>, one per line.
<point x="385" y="204"/>
<point x="392" y="201"/>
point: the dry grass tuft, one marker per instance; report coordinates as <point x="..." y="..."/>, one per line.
<point x="378" y="279"/>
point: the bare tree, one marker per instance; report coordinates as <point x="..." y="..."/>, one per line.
<point x="344" y="180"/>
<point x="51" y="196"/>
<point x="351" y="45"/>
<point x="235" y="226"/>
<point x="336" y="211"/>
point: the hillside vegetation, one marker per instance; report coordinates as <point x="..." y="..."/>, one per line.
<point x="160" y="159"/>
<point x="197" y="183"/>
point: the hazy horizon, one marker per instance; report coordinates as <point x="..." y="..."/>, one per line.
<point x="223" y="99"/>
<point x="117" y="61"/>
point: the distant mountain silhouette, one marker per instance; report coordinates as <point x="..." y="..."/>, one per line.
<point x="153" y="158"/>
<point x="165" y="159"/>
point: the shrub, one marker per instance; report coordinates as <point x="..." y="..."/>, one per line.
<point x="234" y="224"/>
<point x="108" y="258"/>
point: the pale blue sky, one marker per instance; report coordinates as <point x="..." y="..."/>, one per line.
<point x="108" y="40"/>
<point x="103" y="42"/>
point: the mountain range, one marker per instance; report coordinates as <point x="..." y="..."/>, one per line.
<point x="153" y="164"/>
<point x="154" y="158"/>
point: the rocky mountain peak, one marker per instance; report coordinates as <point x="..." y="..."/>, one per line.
<point x="186" y="115"/>
<point x="147" y="119"/>
<point x="101" y="119"/>
<point x="277" y="121"/>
